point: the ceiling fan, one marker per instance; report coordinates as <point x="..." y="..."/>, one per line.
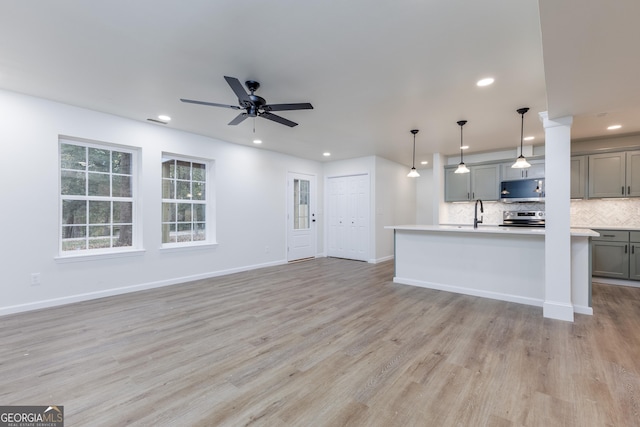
<point x="254" y="105"/>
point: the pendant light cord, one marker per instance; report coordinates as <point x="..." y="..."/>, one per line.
<point x="461" y="157"/>
<point x="413" y="164"/>
<point x="521" y="132"/>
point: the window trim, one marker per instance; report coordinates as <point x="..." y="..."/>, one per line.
<point x="136" y="224"/>
<point x="209" y="203"/>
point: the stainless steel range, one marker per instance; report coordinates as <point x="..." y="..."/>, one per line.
<point x="523" y="219"/>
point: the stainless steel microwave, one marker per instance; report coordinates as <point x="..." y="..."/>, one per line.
<point x="522" y="190"/>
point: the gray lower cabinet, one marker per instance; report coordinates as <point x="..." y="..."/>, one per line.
<point x="634" y="256"/>
<point x="614" y="255"/>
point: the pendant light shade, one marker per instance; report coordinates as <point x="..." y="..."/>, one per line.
<point x="413" y="173"/>
<point x="521" y="161"/>
<point x="462" y="168"/>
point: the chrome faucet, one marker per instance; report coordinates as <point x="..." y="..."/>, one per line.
<point x="477" y="221"/>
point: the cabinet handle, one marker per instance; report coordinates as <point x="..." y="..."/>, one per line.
<point x="625" y="248"/>
<point x="623" y="190"/>
<point x="633" y="249"/>
<point x="608" y="235"/>
<point x="468" y="198"/>
<point x="473" y="195"/>
<point x="628" y="190"/>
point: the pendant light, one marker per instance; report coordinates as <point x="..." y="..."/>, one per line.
<point x="521" y="161"/>
<point x="462" y="168"/>
<point x="413" y="173"/>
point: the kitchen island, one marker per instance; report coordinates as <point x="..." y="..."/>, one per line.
<point x="504" y="263"/>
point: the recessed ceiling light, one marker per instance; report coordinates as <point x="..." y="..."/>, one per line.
<point x="424" y="163"/>
<point x="485" y="82"/>
<point x="464" y="147"/>
<point x="614" y="127"/>
<point x="326" y="154"/>
<point x="164" y="117"/>
<point x="257" y="141"/>
<point x="529" y="138"/>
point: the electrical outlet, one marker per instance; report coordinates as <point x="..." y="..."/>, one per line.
<point x="35" y="279"/>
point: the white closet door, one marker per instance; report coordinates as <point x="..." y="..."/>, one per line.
<point x="349" y="213"/>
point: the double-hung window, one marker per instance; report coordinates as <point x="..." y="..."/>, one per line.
<point x="184" y="201"/>
<point x="97" y="205"/>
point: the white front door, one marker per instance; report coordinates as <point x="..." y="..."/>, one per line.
<point x="301" y="217"/>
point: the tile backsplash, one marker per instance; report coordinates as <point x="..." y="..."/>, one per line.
<point x="462" y="213"/>
<point x="606" y="213"/>
<point x="584" y="213"/>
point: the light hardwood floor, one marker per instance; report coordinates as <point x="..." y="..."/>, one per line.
<point x="326" y="342"/>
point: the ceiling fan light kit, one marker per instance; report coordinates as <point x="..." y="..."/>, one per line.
<point x="254" y="105"/>
<point x="413" y="173"/>
<point x="521" y="161"/>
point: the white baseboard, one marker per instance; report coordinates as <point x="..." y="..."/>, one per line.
<point x="580" y="309"/>
<point x="468" y="291"/>
<point x="379" y="260"/>
<point x="128" y="289"/>
<point x="558" y="311"/>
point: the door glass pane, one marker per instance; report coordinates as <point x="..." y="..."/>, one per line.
<point x="300" y="204"/>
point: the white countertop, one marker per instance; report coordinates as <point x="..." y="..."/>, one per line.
<point x="490" y="229"/>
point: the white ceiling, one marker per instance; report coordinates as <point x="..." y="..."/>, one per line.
<point x="373" y="70"/>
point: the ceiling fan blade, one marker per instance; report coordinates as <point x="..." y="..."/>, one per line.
<point x="278" y="119"/>
<point x="239" y="119"/>
<point x="212" y="104"/>
<point x="238" y="89"/>
<point x="284" y="107"/>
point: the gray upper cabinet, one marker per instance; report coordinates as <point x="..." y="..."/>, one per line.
<point x="457" y="186"/>
<point x="614" y="174"/>
<point x="536" y="170"/>
<point x="578" y="177"/>
<point x="482" y="182"/>
<point x="485" y="182"/>
<point x="633" y="174"/>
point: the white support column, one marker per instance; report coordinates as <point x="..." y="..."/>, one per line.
<point x="557" y="248"/>
<point x="438" y="186"/>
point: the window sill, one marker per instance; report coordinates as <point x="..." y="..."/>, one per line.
<point x="192" y="247"/>
<point x="92" y="257"/>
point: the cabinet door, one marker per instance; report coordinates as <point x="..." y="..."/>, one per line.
<point x="634" y="261"/>
<point x="607" y="175"/>
<point x="485" y="182"/>
<point x="633" y="174"/>
<point x="610" y="259"/>
<point x="509" y="173"/>
<point x="536" y="170"/>
<point x="578" y="177"/>
<point x="457" y="186"/>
